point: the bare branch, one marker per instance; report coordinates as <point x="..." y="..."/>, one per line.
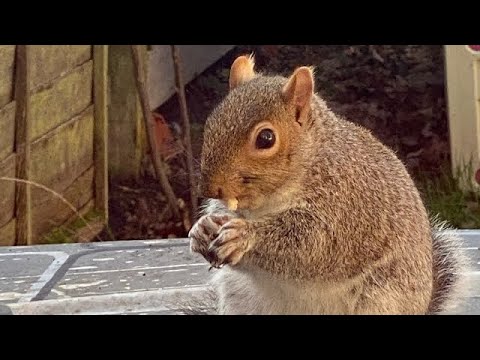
<point x="180" y="87"/>
<point x="158" y="163"/>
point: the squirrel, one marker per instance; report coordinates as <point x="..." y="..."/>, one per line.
<point x="308" y="213"/>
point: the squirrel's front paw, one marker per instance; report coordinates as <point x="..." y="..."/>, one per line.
<point x="232" y="242"/>
<point x="204" y="231"/>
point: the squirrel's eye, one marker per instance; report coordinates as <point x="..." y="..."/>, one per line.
<point x="265" y="139"/>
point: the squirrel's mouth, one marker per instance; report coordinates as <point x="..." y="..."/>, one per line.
<point x="247" y="203"/>
<point x="232" y="204"/>
<point x="236" y="203"/>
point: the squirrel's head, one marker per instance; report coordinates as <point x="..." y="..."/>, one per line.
<point x="252" y="137"/>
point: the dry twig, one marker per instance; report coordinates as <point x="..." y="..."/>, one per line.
<point x="180" y="87"/>
<point x="158" y="163"/>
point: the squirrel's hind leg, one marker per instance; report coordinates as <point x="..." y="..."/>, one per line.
<point x="387" y="292"/>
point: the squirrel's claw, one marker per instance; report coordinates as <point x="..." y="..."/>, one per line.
<point x="219" y="239"/>
<point x="231" y="243"/>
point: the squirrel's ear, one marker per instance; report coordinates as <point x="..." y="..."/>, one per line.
<point x="241" y="71"/>
<point x="299" y="91"/>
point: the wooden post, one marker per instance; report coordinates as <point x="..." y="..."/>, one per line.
<point x="127" y="140"/>
<point x="463" y="94"/>
<point x="23" y="204"/>
<point x="100" y="96"/>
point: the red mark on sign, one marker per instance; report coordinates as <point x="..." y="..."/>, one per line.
<point x="475" y="48"/>
<point x="477" y="176"/>
<point x="163" y="137"/>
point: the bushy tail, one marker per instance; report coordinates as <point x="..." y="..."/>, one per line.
<point x="450" y="268"/>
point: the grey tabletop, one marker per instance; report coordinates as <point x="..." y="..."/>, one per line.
<point x="124" y="277"/>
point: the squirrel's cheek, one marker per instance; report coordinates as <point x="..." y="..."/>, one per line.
<point x="252" y="201"/>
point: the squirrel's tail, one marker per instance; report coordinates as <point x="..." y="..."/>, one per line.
<point x="450" y="268"/>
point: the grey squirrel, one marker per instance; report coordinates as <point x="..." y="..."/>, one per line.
<point x="308" y="213"/>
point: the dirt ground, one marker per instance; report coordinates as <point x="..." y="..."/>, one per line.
<point x="397" y="92"/>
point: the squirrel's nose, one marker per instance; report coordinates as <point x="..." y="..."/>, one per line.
<point x="214" y="192"/>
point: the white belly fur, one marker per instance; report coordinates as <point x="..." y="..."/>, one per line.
<point x="253" y="291"/>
